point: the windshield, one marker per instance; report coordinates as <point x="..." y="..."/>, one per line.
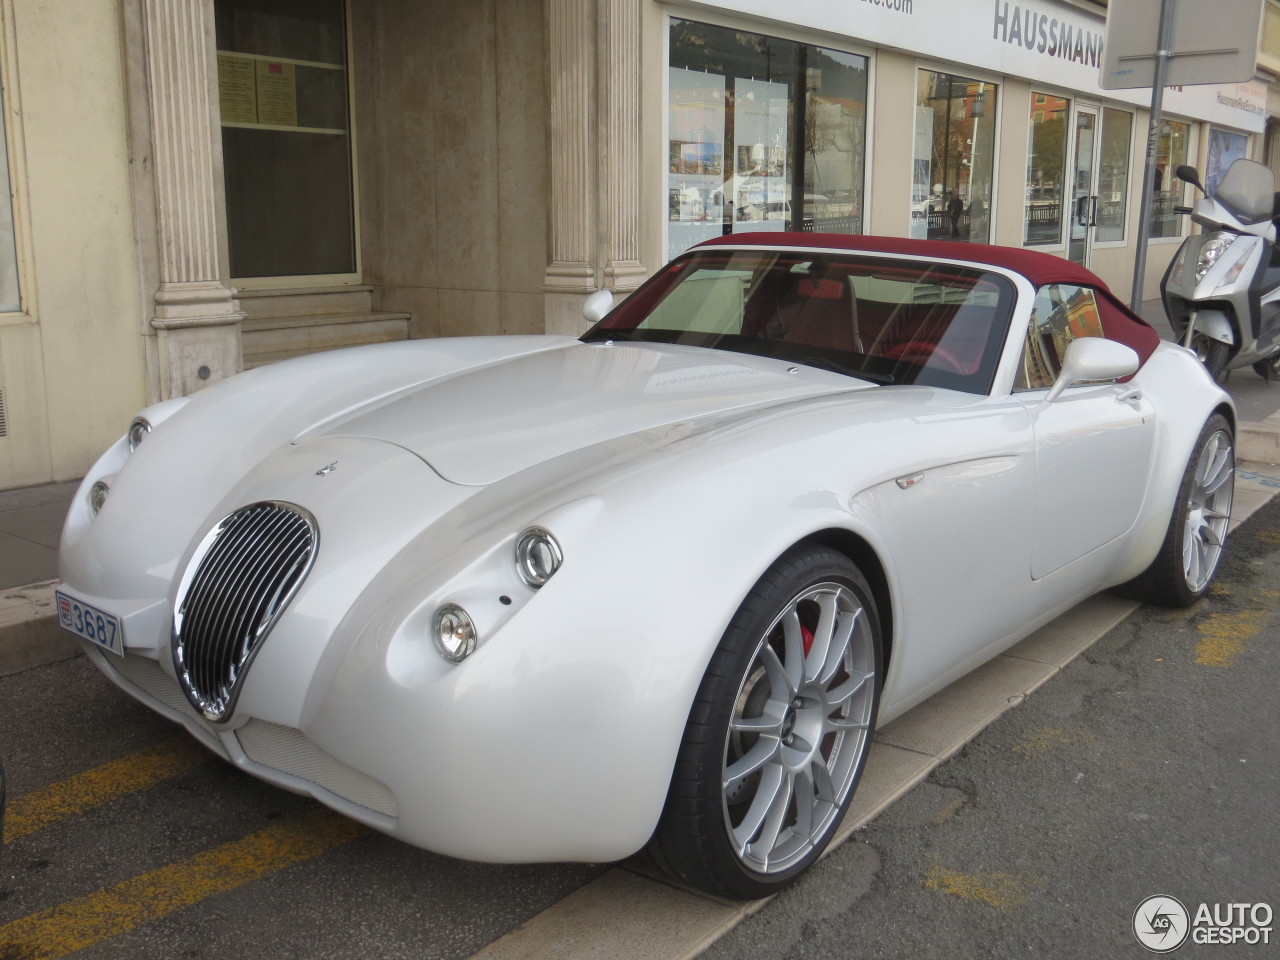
<point x="884" y="320"/>
<point x="1247" y="190"/>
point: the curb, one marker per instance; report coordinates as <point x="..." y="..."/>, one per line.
<point x="29" y="631"/>
<point x="1259" y="441"/>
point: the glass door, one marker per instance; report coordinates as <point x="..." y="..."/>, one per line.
<point x="1084" y="196"/>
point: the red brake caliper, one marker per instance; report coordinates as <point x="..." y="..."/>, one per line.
<point x="807" y="635"/>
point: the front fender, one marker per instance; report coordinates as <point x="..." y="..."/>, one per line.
<point x="1216" y="325"/>
<point x="557" y="738"/>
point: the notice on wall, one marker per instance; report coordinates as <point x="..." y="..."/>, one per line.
<point x="277" y="94"/>
<point x="237" y="91"/>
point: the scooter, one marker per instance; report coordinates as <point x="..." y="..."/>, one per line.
<point x="1222" y="290"/>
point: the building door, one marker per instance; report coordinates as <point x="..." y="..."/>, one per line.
<point x="1084" y="195"/>
<point x="284" y="96"/>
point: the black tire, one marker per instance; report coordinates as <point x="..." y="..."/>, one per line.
<point x="795" y="725"/>
<point x="1192" y="548"/>
<point x="1213" y="354"/>
<point x="1268" y="369"/>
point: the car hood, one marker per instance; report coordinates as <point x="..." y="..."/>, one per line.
<point x="481" y="425"/>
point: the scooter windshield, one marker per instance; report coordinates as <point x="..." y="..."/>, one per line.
<point x="1247" y="190"/>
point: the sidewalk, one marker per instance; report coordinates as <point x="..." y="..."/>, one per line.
<point x="31" y="524"/>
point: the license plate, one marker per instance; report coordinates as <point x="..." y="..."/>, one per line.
<point x="87" y="621"/>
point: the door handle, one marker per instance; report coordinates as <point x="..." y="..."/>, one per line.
<point x="1093" y="211"/>
<point x="1129" y="396"/>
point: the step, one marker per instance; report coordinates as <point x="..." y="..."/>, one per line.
<point x="305" y="301"/>
<point x="267" y="340"/>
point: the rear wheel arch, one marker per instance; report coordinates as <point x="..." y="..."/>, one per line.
<point x="1229" y="413"/>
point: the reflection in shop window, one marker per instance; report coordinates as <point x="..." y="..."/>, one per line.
<point x="955" y="146"/>
<point x="1225" y="148"/>
<point x="1113" y="176"/>
<point x="735" y="161"/>
<point x="1046" y="164"/>
<point x="1166" y="190"/>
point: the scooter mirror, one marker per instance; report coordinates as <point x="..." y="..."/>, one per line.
<point x="1189" y="175"/>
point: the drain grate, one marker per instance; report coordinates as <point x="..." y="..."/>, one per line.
<point x="4" y="420"/>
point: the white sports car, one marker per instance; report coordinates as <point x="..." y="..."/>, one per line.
<point x="543" y="598"/>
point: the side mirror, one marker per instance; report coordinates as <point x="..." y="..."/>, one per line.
<point x="1189" y="174"/>
<point x="1093" y="360"/>
<point x="597" y="306"/>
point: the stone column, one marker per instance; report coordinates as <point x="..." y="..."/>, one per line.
<point x="620" y="146"/>
<point x="196" y="315"/>
<point x="571" y="52"/>
<point x="594" y="139"/>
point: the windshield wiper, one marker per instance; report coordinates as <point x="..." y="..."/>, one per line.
<point x="826" y="363"/>
<point x="598" y="336"/>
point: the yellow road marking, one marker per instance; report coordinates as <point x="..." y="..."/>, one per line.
<point x="40" y="808"/>
<point x="1225" y="635"/>
<point x="118" y="909"/>
<point x="1000" y="890"/>
<point x="1037" y="744"/>
<point x="950" y="810"/>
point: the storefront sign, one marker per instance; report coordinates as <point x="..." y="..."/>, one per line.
<point x="1044" y="41"/>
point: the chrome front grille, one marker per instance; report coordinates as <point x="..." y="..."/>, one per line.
<point x="242" y="576"/>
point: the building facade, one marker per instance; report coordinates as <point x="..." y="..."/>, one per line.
<point x="202" y="186"/>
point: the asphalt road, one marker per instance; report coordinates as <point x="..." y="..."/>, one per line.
<point x="1151" y="765"/>
<point x="150" y="848"/>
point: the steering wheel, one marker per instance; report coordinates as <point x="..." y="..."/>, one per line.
<point x="922" y="352"/>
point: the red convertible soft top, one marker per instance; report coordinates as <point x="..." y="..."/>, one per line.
<point x="1039" y="268"/>
<point x="1120" y="322"/>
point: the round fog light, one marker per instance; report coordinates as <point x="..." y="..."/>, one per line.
<point x="538" y="556"/>
<point x="98" y="496"/>
<point x="454" y="632"/>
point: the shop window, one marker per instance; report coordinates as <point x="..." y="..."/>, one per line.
<point x="286" y="137"/>
<point x="1046" y="169"/>
<point x="954" y="152"/>
<point x="1113" y="174"/>
<point x="764" y="134"/>
<point x="1166" y="189"/>
<point x="1224" y="149"/>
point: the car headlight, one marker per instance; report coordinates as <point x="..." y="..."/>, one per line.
<point x="538" y="556"/>
<point x="454" y="633"/>
<point x="98" y="496"/>
<point x="1211" y="252"/>
<point x="138" y="431"/>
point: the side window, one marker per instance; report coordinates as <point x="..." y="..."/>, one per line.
<point x="1062" y="312"/>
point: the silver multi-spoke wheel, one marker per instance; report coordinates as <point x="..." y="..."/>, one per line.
<point x="779" y="730"/>
<point x="1191" y="550"/>
<point x="799" y="728"/>
<point x="1208" y="510"/>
